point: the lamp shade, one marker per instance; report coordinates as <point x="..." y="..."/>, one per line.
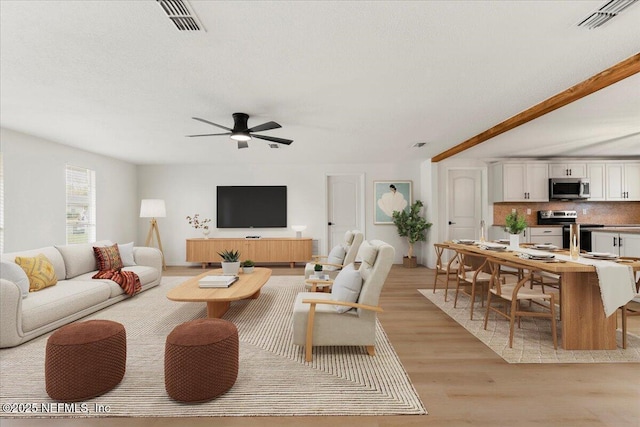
<point x="152" y="208"/>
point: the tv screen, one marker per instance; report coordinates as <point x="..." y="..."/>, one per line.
<point x="251" y="206"/>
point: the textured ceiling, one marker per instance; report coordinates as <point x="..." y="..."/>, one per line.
<point x="348" y="81"/>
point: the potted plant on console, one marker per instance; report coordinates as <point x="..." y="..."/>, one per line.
<point x="230" y="261"/>
<point x="514" y="225"/>
<point x="412" y="226"/>
<point x="247" y="266"/>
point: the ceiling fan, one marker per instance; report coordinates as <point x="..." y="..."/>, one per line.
<point x="242" y="133"/>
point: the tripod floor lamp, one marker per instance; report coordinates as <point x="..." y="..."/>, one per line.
<point x="153" y="208"/>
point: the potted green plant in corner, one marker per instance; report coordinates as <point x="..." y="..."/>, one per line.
<point x="230" y="261"/>
<point x="247" y="266"/>
<point x="514" y="225"/>
<point x="413" y="226"/>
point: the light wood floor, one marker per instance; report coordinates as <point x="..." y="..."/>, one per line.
<point x="459" y="379"/>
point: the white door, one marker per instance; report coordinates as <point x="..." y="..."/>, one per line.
<point x="345" y="207"/>
<point x="465" y="204"/>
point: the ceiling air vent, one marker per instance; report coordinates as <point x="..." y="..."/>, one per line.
<point x="181" y="15"/>
<point x="609" y="10"/>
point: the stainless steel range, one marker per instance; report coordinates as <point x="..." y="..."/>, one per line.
<point x="566" y="218"/>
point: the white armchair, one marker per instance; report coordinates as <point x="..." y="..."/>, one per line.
<point x="341" y="255"/>
<point x="316" y="320"/>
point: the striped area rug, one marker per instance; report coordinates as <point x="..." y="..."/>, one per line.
<point x="532" y="342"/>
<point x="273" y="380"/>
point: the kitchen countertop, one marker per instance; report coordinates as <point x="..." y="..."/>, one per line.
<point x="627" y="230"/>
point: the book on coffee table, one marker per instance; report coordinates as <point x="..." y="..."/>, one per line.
<point x="217" y="281"/>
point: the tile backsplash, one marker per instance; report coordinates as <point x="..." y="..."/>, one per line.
<point x="607" y="213"/>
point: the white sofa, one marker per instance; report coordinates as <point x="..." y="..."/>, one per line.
<point x="26" y="316"/>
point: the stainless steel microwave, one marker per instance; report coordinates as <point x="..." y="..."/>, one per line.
<point x="569" y="188"/>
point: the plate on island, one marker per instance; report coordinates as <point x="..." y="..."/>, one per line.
<point x="600" y="255"/>
<point x="537" y="257"/>
<point x="503" y="241"/>
<point x="466" y="241"/>
<point x="547" y="246"/>
<point x="492" y="246"/>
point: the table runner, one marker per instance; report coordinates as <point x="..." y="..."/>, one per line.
<point x="617" y="282"/>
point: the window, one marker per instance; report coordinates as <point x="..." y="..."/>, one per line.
<point x="81" y="205"/>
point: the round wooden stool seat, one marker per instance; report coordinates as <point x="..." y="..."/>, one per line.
<point x="84" y="360"/>
<point x="201" y="360"/>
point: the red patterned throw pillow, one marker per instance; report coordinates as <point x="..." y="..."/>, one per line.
<point x="108" y="257"/>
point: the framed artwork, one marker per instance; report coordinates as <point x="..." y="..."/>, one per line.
<point x="389" y="196"/>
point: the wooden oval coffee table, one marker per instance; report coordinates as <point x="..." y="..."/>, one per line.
<point x="219" y="299"/>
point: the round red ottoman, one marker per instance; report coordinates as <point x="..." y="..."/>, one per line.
<point x="201" y="360"/>
<point x="84" y="360"/>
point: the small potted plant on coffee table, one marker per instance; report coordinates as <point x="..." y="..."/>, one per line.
<point x="230" y="261"/>
<point x="247" y="266"/>
<point x="317" y="270"/>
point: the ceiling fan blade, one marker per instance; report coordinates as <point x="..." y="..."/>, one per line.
<point x="264" y="126"/>
<point x="211" y="123"/>
<point x="211" y="134"/>
<point x="243" y="144"/>
<point x="273" y="139"/>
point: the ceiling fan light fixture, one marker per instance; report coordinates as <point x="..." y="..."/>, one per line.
<point x="241" y="136"/>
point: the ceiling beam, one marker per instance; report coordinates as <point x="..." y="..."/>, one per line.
<point x="611" y="75"/>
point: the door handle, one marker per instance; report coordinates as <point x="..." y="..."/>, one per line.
<point x="614" y="242"/>
<point x="620" y="242"/>
<point x="329" y="223"/>
<point x="451" y="223"/>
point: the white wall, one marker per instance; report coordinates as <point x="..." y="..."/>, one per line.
<point x="35" y="196"/>
<point x="191" y="189"/>
<point x="35" y="192"/>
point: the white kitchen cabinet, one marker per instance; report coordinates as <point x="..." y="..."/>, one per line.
<point x="497" y="232"/>
<point x="623" y="181"/>
<point x="565" y="170"/>
<point x="596" y="175"/>
<point x="629" y="244"/>
<point x="602" y="241"/>
<point x="551" y="235"/>
<point x="623" y="244"/>
<point x="520" y="182"/>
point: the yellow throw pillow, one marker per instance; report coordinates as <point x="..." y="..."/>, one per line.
<point x="39" y="270"/>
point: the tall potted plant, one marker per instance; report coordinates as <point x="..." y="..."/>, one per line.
<point x="514" y="225"/>
<point x="413" y="226"/>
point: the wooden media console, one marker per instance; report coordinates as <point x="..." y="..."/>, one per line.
<point x="266" y="249"/>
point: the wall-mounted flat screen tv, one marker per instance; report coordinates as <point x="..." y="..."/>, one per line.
<point x="251" y="206"/>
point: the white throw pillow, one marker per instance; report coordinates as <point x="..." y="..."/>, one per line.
<point x="336" y="256"/>
<point x="368" y="253"/>
<point x="346" y="287"/>
<point x="126" y="254"/>
<point x="14" y="273"/>
<point x="348" y="237"/>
